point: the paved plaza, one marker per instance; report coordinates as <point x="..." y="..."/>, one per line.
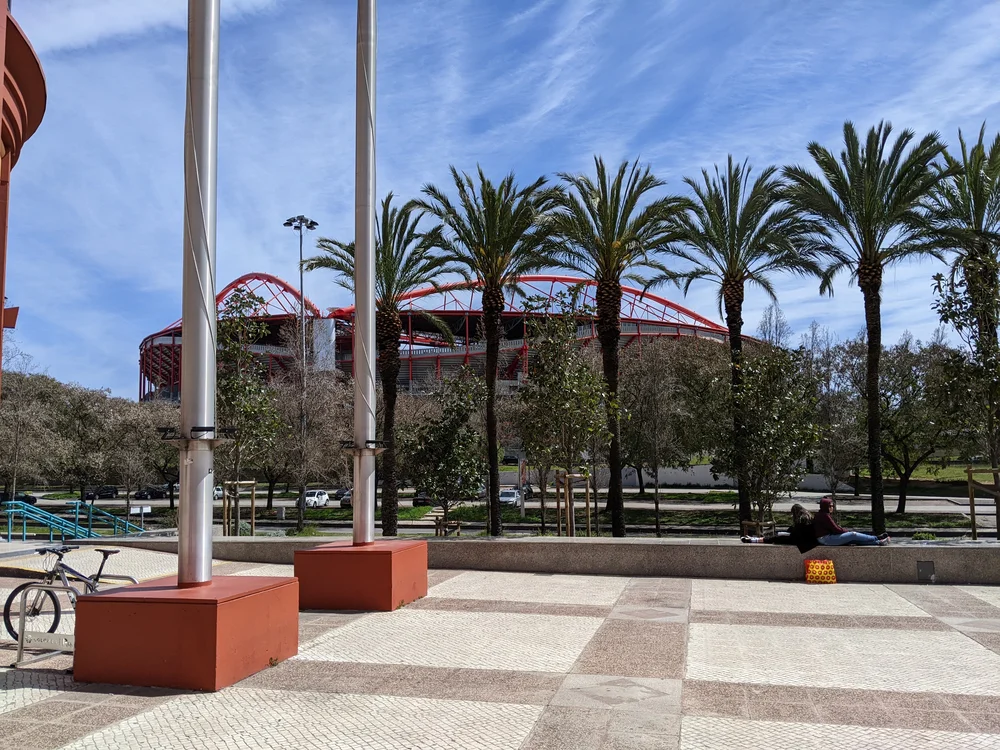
<point x="509" y="661"/>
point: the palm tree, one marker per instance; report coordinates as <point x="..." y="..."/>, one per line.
<point x="871" y="198"/>
<point x="605" y="234"/>
<point x="736" y="233"/>
<point x="494" y="234"/>
<point x="965" y="209"/>
<point x="403" y="262"/>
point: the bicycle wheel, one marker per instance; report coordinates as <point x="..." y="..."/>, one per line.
<point x="43" y="611"/>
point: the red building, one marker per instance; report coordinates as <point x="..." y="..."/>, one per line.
<point x="22" y="111"/>
<point x="425" y="353"/>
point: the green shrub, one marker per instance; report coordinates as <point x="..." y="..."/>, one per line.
<point x="307" y="530"/>
<point x="924" y="536"/>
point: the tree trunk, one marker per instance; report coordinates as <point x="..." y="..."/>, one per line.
<point x="493" y="301"/>
<point x="904" y="485"/>
<point x="543" y="482"/>
<point x="639" y="479"/>
<point x="870" y="281"/>
<point x="170" y="491"/>
<point x="732" y="293"/>
<point x="656" y="497"/>
<point x="609" y="300"/>
<point x="271" y="484"/>
<point x="388" y="329"/>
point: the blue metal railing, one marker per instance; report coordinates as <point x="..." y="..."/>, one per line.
<point x="66" y="529"/>
<point x="94" y="514"/>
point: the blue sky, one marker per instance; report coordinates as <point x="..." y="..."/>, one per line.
<point x="533" y="86"/>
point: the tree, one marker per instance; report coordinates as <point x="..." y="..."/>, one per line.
<point x="840" y="446"/>
<point x="134" y="443"/>
<point x="562" y="412"/>
<point x="606" y="234"/>
<point x="82" y="421"/>
<point x="737" y="232"/>
<point x="245" y="400"/>
<point x="29" y="444"/>
<point x="871" y="198"/>
<point x="917" y="404"/>
<point x="494" y="234"/>
<point x="650" y="411"/>
<point x="965" y="211"/>
<point x="164" y="456"/>
<point x="778" y="404"/>
<point x="444" y="455"/>
<point x="403" y="262"/>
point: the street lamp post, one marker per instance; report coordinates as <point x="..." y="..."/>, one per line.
<point x="301" y="224"/>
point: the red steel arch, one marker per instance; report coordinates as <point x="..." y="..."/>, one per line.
<point x="160" y="353"/>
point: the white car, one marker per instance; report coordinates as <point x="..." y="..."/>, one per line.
<point x="316" y="498"/>
<point x="510" y="496"/>
<point x="218" y="493"/>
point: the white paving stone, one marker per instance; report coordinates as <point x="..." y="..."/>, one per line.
<point x="532" y="587"/>
<point x="239" y="719"/>
<point x="856" y="599"/>
<point x="900" y="660"/>
<point x="474" y="640"/>
<point x="139" y="563"/>
<point x="19" y="688"/>
<point x="705" y="733"/>
<point x="988" y="594"/>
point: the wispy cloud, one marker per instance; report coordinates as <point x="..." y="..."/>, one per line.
<point x="533" y="86"/>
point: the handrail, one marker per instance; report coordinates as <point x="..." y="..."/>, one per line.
<point x="54" y="522"/>
<point x="127" y="527"/>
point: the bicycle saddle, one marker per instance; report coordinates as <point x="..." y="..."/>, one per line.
<point x="108" y="552"/>
<point x="54" y="550"/>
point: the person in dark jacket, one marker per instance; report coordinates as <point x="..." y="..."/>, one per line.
<point x="830" y="534"/>
<point x="800" y="533"/>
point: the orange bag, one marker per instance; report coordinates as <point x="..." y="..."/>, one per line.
<point x="820" y="571"/>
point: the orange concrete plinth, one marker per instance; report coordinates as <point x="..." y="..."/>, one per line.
<point x="379" y="577"/>
<point x="202" y="638"/>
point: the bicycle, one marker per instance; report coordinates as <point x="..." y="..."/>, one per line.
<point x="43" y="610"/>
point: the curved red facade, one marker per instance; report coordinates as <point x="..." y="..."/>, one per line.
<point x="20" y="115"/>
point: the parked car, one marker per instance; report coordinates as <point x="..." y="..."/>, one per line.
<point x="151" y="492"/>
<point x="509" y="460"/>
<point x="104" y="492"/>
<point x="343" y="497"/>
<point x="218" y="493"/>
<point x="510" y="496"/>
<point x="422" y="498"/>
<point x="19" y="497"/>
<point x="317" y="498"/>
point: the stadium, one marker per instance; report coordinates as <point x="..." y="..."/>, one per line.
<point x="424" y="351"/>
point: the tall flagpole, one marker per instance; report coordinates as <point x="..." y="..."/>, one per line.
<point x="364" y="279"/>
<point x="198" y="343"/>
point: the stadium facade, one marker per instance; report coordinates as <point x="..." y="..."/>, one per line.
<point x="424" y="350"/>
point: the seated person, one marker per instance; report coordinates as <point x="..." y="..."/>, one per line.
<point x="800" y="533"/>
<point x="830" y="534"/>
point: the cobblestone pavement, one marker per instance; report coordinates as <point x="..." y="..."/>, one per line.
<point x="540" y="662"/>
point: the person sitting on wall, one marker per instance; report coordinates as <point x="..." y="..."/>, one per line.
<point x="830" y="534"/>
<point x="800" y="533"/>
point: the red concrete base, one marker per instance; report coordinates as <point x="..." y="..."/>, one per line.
<point x="202" y="638"/>
<point x="381" y="576"/>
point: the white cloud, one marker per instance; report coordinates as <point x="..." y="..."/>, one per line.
<point x="60" y="25"/>
<point x="534" y="86"/>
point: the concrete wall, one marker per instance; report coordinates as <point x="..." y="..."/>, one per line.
<point x="954" y="563"/>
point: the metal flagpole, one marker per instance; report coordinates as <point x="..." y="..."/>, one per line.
<point x="198" y="345"/>
<point x="364" y="279"/>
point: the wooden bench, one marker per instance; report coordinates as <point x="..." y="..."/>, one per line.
<point x="755" y="528"/>
<point x="442" y="527"/>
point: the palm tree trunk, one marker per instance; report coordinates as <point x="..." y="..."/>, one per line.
<point x="492" y="307"/>
<point x="983" y="285"/>
<point x="871" y="284"/>
<point x="732" y="293"/>
<point x="388" y="328"/>
<point x="609" y="301"/>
